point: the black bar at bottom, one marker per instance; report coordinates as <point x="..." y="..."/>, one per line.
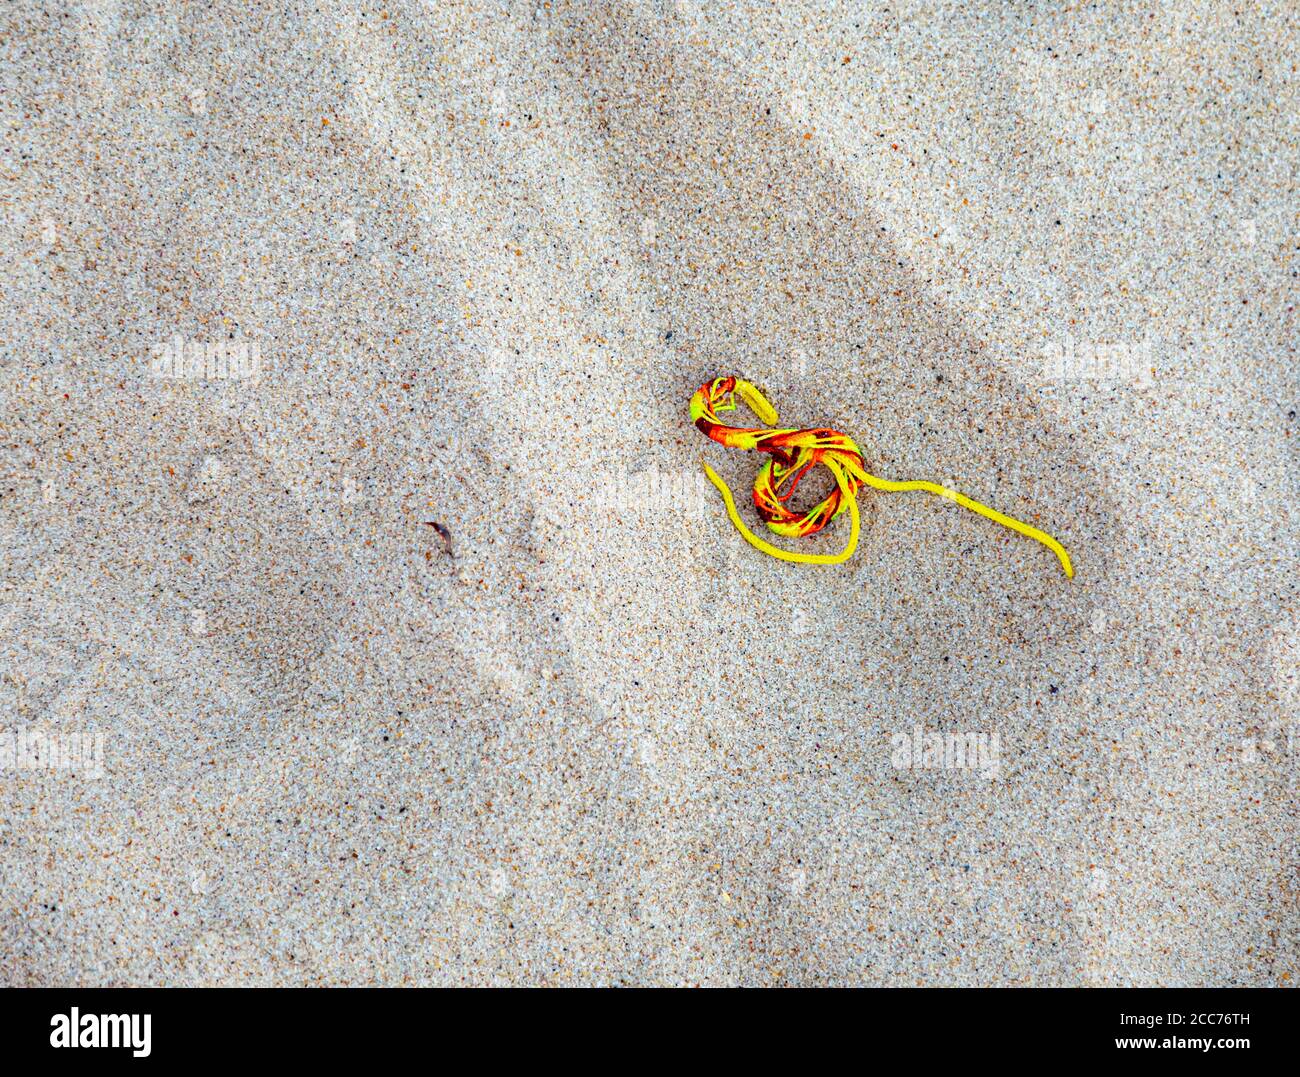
<point x="92" y="1026"/>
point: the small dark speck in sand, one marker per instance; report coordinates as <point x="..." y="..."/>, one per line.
<point x="442" y="530"/>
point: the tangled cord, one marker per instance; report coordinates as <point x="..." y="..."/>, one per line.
<point x="791" y="454"/>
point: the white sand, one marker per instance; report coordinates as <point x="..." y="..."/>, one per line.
<point x="488" y="252"/>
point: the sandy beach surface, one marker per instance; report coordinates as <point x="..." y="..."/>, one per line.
<point x="288" y="284"/>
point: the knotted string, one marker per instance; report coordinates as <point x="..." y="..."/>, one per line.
<point x="791" y="454"/>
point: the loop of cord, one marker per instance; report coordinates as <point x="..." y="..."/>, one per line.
<point x="792" y="453"/>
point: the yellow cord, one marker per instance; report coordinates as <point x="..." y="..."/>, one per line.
<point x="776" y="551"/>
<point x="844" y="461"/>
<point x="970" y="503"/>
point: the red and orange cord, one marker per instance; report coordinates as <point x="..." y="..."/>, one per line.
<point x="792" y="454"/>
